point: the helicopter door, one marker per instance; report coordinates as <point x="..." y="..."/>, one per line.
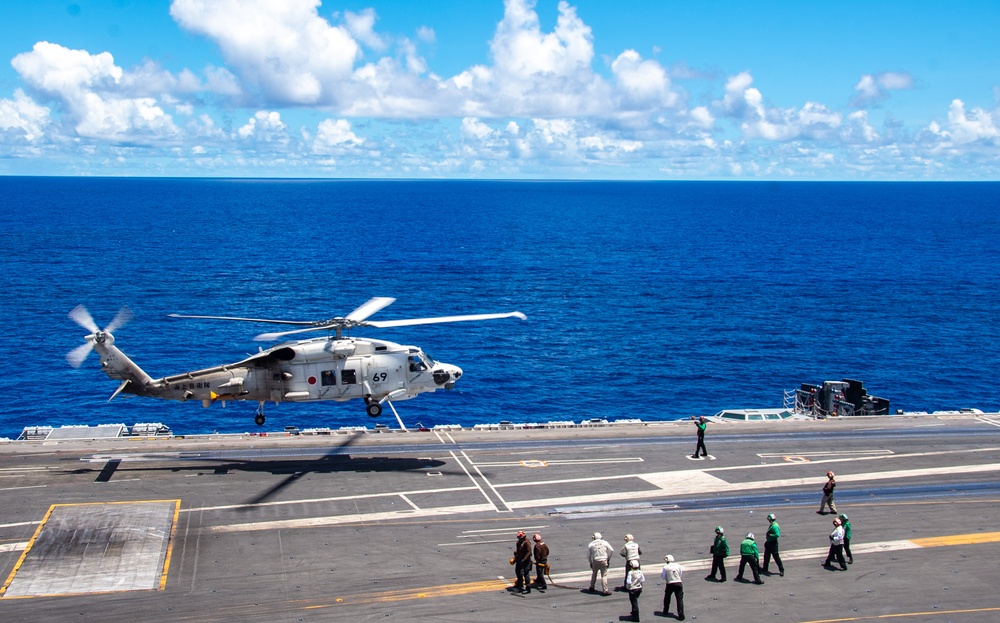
<point x="349" y="378"/>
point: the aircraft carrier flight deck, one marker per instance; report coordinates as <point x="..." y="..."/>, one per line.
<point x="420" y="526"/>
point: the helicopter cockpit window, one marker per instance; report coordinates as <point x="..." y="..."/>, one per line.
<point x="417" y="364"/>
<point x="327" y="378"/>
<point x="348" y="377"/>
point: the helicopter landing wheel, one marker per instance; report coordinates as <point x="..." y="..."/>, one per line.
<point x="374" y="409"/>
<point x="259" y="419"/>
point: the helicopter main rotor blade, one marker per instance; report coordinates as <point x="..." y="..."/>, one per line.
<point x="383" y="324"/>
<point x="299" y="322"/>
<point x="82" y="317"/>
<point x="267" y="337"/>
<point x="369" y="308"/>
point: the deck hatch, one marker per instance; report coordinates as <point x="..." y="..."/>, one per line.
<point x="97" y="548"/>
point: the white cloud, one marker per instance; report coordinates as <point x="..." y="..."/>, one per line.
<point x="264" y="126"/>
<point x="858" y="130"/>
<point x="95" y="92"/>
<point x="333" y="136"/>
<point x="426" y="34"/>
<point x="521" y="49"/>
<point x="23" y="115"/>
<point x="362" y="27"/>
<point x="643" y="84"/>
<point x="735" y="101"/>
<point x="702" y="117"/>
<point x="475" y="128"/>
<point x="59" y="71"/>
<point x="872" y="89"/>
<point x="291" y="53"/>
<point x="746" y="104"/>
<point x="966" y="127"/>
<point x="536" y="73"/>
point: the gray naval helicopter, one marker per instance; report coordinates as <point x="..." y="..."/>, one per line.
<point x="336" y="367"/>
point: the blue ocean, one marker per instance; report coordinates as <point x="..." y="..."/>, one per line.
<point x="651" y="300"/>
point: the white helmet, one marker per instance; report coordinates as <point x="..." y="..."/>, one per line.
<point x="750" y="535"/>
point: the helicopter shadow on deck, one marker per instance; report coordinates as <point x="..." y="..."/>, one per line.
<point x="292" y="468"/>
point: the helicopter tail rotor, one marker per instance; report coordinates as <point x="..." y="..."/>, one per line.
<point x="82" y="317"/>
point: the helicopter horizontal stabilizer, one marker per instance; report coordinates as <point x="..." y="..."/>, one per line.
<point x="119" y="390"/>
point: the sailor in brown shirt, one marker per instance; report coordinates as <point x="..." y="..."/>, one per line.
<point x="541" y="561"/>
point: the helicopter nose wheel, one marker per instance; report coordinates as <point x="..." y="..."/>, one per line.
<point x="259" y="417"/>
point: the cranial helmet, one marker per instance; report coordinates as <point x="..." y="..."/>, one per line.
<point x="770" y="517"/>
<point x="536" y="537"/>
<point x="520" y="534"/>
<point x="719" y="530"/>
<point x="629" y="537"/>
<point x="597" y="535"/>
<point x="829" y="474"/>
<point x="750" y="535"/>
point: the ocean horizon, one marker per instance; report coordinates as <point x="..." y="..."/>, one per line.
<point x="655" y="300"/>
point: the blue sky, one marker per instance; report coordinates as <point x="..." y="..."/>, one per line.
<point x="591" y="89"/>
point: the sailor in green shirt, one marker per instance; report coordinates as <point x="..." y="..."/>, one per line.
<point x="701" y="423"/>
<point x="846" y="525"/>
<point x="719" y="551"/>
<point x="749" y="554"/>
<point x="771" y="546"/>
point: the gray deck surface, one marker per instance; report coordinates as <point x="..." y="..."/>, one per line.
<point x="420" y="526"/>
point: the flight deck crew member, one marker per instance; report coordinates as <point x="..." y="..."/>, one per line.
<point x="541" y="560"/>
<point x="719" y="551"/>
<point x="701" y="423"/>
<point x="672" y="573"/>
<point x="771" y="546"/>
<point x="836" y="546"/>
<point x="599" y="552"/>
<point x="522" y="563"/>
<point x="633" y="584"/>
<point x="827" y="500"/>
<point x="630" y="552"/>
<point x="750" y="555"/>
<point x="846" y="524"/>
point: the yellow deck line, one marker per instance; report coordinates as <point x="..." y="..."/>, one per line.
<point x="170" y="545"/>
<point x="901" y="615"/>
<point x="24" y="554"/>
<point x="958" y="539"/>
<point x="447" y="590"/>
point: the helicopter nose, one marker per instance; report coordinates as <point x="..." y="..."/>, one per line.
<point x="456" y="373"/>
<point x="446" y="375"/>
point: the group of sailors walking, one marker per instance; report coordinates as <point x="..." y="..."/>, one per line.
<point x="600" y="552"/>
